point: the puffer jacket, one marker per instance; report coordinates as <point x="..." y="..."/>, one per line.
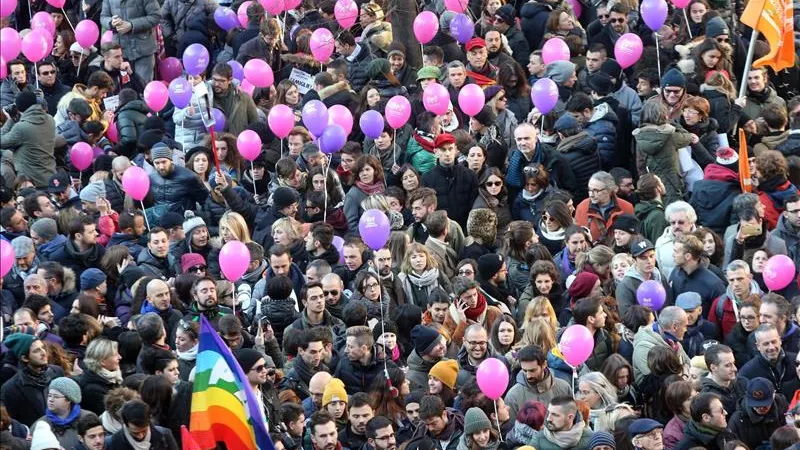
<point x="419" y="156"/>
<point x="357" y="67"/>
<point x="9" y="90"/>
<point x="378" y="36"/>
<point x="602" y="126"/>
<point x="659" y="145"/>
<point x="534" y="20"/>
<point x="713" y="196"/>
<point x="72" y="133"/>
<point x="143" y="16"/>
<point x="581" y="153"/>
<point x="651" y="216"/>
<point x="179" y="191"/>
<point x="456" y="189"/>
<point x="189" y="127"/>
<point x="529" y="209"/>
<point x="281" y="312"/>
<point x="648" y="337"/>
<point x="177" y="13"/>
<point x="71" y="257"/>
<point x="130" y="119"/>
<point x="32" y="140"/>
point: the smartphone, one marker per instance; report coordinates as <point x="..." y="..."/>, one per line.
<point x="264" y="323"/>
<point x="750" y="229"/>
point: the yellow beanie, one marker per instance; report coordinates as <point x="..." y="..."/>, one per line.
<point x="445" y="371"/>
<point x="334" y="391"/>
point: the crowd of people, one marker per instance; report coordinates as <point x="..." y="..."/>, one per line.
<point x="507" y="227"/>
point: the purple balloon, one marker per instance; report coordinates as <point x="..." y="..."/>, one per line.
<point x="180" y="92"/>
<point x="544" y="95"/>
<point x="332" y="139"/>
<point x="652" y="294"/>
<point x="226" y="18"/>
<point x="195" y="59"/>
<point x="219" y="119"/>
<point x="375" y="228"/>
<point x="462" y="28"/>
<point x="654" y="13"/>
<point x="238" y="69"/>
<point x="371" y="123"/>
<point x="315" y="117"/>
<point x="170" y="68"/>
<point x="338" y="242"/>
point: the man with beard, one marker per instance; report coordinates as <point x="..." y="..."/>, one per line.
<point x="535" y="380"/>
<point x="26" y="263"/>
<point x="50" y="84"/>
<point x="595" y="57"/>
<point x="158" y="300"/>
<point x="131" y="231"/>
<point x="24" y="395"/>
<point x="156" y="261"/>
<point x="478" y="67"/>
<point x="174" y="188"/>
<point x="617" y="26"/>
<point x="443" y="425"/>
<point x="204" y="296"/>
<point x="118" y="69"/>
<point x="324" y="435"/>
<point x="307" y="363"/>
<point x="494" y="44"/>
<point x="138" y="431"/>
<point x="260" y="372"/>
<point x="382" y="264"/>
<point x="381" y="434"/>
<point x="429" y="349"/>
<point x="361" y="366"/>
<point x="38" y="205"/>
<point x="315" y="315"/>
<point x="81" y="251"/>
<point x="473" y="353"/>
<point x="335" y="298"/>
<point x="16" y="82"/>
<point x="423" y="202"/>
<point x="492" y="274"/>
<point x="359" y="413"/>
<point x="506" y="23"/>
<point x="564" y="427"/>
<point x="238" y="107"/>
<point x="319" y="243"/>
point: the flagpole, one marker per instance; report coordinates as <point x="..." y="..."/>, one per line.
<point x="748" y="62"/>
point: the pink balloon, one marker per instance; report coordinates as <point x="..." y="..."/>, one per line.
<point x="576" y="345"/>
<point x="258" y="72"/>
<point x="249" y="144"/>
<point x="7" y="257"/>
<point x="458" y="6"/>
<point x="555" y="49"/>
<point x="779" y="272"/>
<point x="576" y="7"/>
<point x="322" y="44"/>
<point x="292" y="4"/>
<point x="398" y="111"/>
<point x="340" y="115"/>
<point x="35" y="44"/>
<point x="7" y="7"/>
<point x="3" y="68"/>
<point x="628" y="49"/>
<point x="273" y="7"/>
<point x="492" y="377"/>
<point x="135" y="182"/>
<point x="681" y="3"/>
<point x="81" y="155"/>
<point x="43" y="20"/>
<point x="233" y="260"/>
<point x="107" y="37"/>
<point x="248" y="87"/>
<point x="112" y="133"/>
<point x="12" y="44"/>
<point x="57" y="3"/>
<point x="242" y="13"/>
<point x="426" y="24"/>
<point x="544" y="95"/>
<point x="86" y="33"/>
<point x="346" y="13"/>
<point x="156" y="95"/>
<point x="471" y="99"/>
<point x="281" y="120"/>
<point x="436" y="99"/>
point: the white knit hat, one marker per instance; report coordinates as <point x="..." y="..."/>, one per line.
<point x="43" y="437"/>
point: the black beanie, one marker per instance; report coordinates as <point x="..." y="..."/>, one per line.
<point x="25" y="100"/>
<point x="388" y="327"/>
<point x="489" y="264"/>
<point x="673" y="78"/>
<point x="424" y="338"/>
<point x="247" y="358"/>
<point x="486" y="116"/>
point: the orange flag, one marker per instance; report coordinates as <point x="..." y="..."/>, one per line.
<point x="744" y="164"/>
<point x="775" y="20"/>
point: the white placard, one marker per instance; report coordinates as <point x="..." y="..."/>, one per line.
<point x="111" y="103"/>
<point x="304" y="81"/>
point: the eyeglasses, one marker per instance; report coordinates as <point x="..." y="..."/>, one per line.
<point x="333" y="293"/>
<point x="673" y="91"/>
<point x="371" y="286"/>
<point x="617" y="20"/>
<point x="595" y="191"/>
<point x="502" y="99"/>
<point x="477" y="343"/>
<point x="531" y="171"/>
<point x="384" y="438"/>
<point x="602" y="16"/>
<point x="493" y="183"/>
<point x="465" y="273"/>
<point x="723" y="40"/>
<point x="55" y="396"/>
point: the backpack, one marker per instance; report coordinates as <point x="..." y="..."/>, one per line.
<point x="720" y="307"/>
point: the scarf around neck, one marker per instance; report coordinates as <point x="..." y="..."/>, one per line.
<point x="110" y="424"/>
<point x="114" y="377"/>
<point x="480" y="308"/>
<point x="56" y="420"/>
<point x="144" y="444"/>
<point x="188" y="355"/>
<point x="37" y="378"/>
<point x="427" y="279"/>
<point x="370" y="189"/>
<point x="567" y="438"/>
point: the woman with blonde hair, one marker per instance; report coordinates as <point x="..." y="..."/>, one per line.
<point x="289" y="233"/>
<point x="601" y="396"/>
<point x="232" y="227"/>
<point x="419" y="275"/>
<point x="102" y="374"/>
<point x="539" y="332"/>
<point x="597" y="261"/>
<point x="541" y="308"/>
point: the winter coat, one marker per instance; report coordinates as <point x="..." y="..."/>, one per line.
<point x="602" y="126"/>
<point x="418" y="369"/>
<point x="723" y="110"/>
<point x="9" y="90"/>
<point x="791" y="146"/>
<point x="561" y="174"/>
<point x="357" y="67"/>
<point x="626" y="289"/>
<point x="540" y="441"/>
<point x="452" y="50"/>
<point x="739" y="341"/>
<point x="646" y="338"/>
<point x="67" y="435"/>
<point x="772" y="243"/>
<point x="587" y="215"/>
<point x="456" y="189"/>
<point x="243" y="112"/>
<point x="500" y="207"/>
<point x="659" y="145"/>
<point x="282" y="313"/>
<point x="728" y="395"/>
<point x="198" y="32"/>
<point x="534" y="17"/>
<point x="581" y="153"/>
<point x="176" y="15"/>
<point x="782" y="375"/>
<point x="694" y="437"/>
<point x="712" y="197"/>
<point x="160" y="439"/>
<point x="70" y="257"/>
<point x="758" y="101"/>
<point x="651" y="216"/>
<point x="94" y="389"/>
<point x="352" y="206"/>
<point x="158" y="267"/>
<point x="377" y="36"/>
<point x="418" y="156"/>
<point x="529" y="209"/>
<point x="774" y="200"/>
<point x="702" y="281"/>
<point x="143" y="15"/>
<point x="705" y="150"/>
<point x="728" y="319"/>
<point x="52" y="95"/>
<point x="177" y="192"/>
<point x="673" y="432"/>
<point x="24" y="400"/>
<point x="130" y="119"/>
<point x="358" y="377"/>
<point x="754" y="429"/>
<point x="32" y="141"/>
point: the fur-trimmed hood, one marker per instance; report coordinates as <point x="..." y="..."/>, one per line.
<point x="301" y="59"/>
<point x="482" y="225"/>
<point x="379" y="34"/>
<point x="69" y="281"/>
<point x="335" y="88"/>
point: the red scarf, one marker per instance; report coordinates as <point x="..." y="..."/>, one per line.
<point x="370" y="189"/>
<point x="481" y="80"/>
<point x="423" y="142"/>
<point x="475" y="313"/>
<point x="344" y="175"/>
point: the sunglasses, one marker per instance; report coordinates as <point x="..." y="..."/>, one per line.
<point x="198" y="269"/>
<point x="673" y="91"/>
<point x="493" y="183"/>
<point x="48" y="73"/>
<point x="333" y="292"/>
<point x="531" y="170"/>
<point x="602" y="16"/>
<point x="721" y="40"/>
<point x="618" y="20"/>
<point x="259" y="367"/>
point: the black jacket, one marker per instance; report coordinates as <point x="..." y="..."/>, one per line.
<point x="158" y="267"/>
<point x="743" y="349"/>
<point x="94" y="389"/>
<point x="456" y="189"/>
<point x="534" y="23"/>
<point x="70" y="257"/>
<point x="53" y="94"/>
<point x="754" y="429"/>
<point x="580" y="153"/>
<point x="260" y="218"/>
<point x="299" y="376"/>
<point x="730" y="396"/>
<point x="160" y="439"/>
<point x="357" y="377"/>
<point x="130" y="119"/>
<point x="694" y="437"/>
<point x="24" y="400"/>
<point x="782" y="375"/>
<point x="357" y="68"/>
<point x="712" y="197"/>
<point x="452" y="51"/>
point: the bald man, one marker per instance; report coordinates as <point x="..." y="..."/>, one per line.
<point x="114" y="193"/>
<point x="316" y="387"/>
<point x="35" y="284"/>
<point x="335" y="298"/>
<point x="159" y="300"/>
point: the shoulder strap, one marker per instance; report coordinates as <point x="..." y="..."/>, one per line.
<point x="720" y="306"/>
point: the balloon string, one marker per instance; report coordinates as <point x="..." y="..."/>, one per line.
<point x="394" y="147"/>
<point x="281" y="148"/>
<point x="325" y="186"/>
<point x="688" y="27"/>
<point x="67" y="18"/>
<point x="146" y="222"/>
<point x="77" y="72"/>
<point x="497" y="419"/>
<point x="252" y="172"/>
<point x="658" y="57"/>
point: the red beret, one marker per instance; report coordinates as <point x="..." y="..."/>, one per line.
<point x="475" y="42"/>
<point x="442" y="139"/>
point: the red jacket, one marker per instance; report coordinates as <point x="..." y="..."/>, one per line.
<point x="774" y="202"/>
<point x="589" y="217"/>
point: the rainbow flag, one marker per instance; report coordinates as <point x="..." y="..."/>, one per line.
<point x="224" y="407"/>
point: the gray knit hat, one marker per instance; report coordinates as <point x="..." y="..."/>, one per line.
<point x="602" y="438"/>
<point x="92" y="191"/>
<point x="190" y="223"/>
<point x="68" y="387"/>
<point x="46" y="228"/>
<point x="475" y="420"/>
<point x="160" y="150"/>
<point x="560" y="71"/>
